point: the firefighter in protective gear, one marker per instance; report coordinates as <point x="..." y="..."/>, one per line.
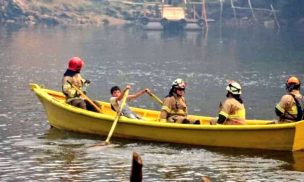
<point x="72" y="76"/>
<point x="290" y="108"/>
<point x="232" y="110"/>
<point x="174" y="108"/>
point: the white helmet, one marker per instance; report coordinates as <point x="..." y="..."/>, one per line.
<point x="179" y="83"/>
<point x="234" y="88"/>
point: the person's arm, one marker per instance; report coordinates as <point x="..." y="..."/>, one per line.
<point x="67" y="87"/>
<point x="138" y="94"/>
<point x="85" y="84"/>
<point x="165" y="110"/>
<point x="123" y="93"/>
<point x="224" y="112"/>
<point x="279" y="110"/>
<point x="221" y="119"/>
<point x="163" y="116"/>
<point x="114" y="104"/>
<point x="284" y="104"/>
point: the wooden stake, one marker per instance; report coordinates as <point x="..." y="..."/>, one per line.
<point x="249" y="3"/>
<point x="221" y="21"/>
<point x="206" y="179"/>
<point x="204" y="13"/>
<point x="275" y="17"/>
<point x="233" y="7"/>
<point x="136" y="171"/>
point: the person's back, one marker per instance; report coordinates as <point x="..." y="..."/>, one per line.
<point x="290" y="108"/>
<point x="72" y="77"/>
<point x="232" y="110"/>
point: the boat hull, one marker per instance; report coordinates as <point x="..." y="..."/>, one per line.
<point x="256" y="134"/>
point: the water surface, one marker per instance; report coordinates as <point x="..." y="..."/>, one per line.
<point x="261" y="60"/>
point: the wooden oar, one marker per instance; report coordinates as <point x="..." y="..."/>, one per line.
<point x="85" y="97"/>
<point x="157" y="99"/>
<point x="118" y="114"/>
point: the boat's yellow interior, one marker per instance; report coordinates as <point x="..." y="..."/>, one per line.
<point x="150" y="115"/>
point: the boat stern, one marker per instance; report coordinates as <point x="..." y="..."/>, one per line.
<point x="299" y="137"/>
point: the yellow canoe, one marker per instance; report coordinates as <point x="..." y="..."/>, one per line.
<point x="257" y="134"/>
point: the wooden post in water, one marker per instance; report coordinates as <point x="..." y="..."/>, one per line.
<point x="204" y="13"/>
<point x="250" y="5"/>
<point x="275" y="17"/>
<point x="194" y="11"/>
<point x="234" y="11"/>
<point x="206" y="179"/>
<point x="136" y="171"/>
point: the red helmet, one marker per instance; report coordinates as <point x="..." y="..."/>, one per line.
<point x="75" y="64"/>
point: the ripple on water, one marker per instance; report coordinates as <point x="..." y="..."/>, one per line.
<point x="4" y="116"/>
<point x="66" y="157"/>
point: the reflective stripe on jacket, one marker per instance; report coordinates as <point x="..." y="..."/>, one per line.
<point x="68" y="90"/>
<point x="288" y="107"/>
<point x="173" y="105"/>
<point x="233" y="110"/>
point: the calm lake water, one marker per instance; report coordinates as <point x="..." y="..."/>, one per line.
<point x="260" y="59"/>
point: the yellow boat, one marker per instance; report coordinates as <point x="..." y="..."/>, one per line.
<point x="256" y="134"/>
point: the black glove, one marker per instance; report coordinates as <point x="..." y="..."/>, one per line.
<point x="87" y="82"/>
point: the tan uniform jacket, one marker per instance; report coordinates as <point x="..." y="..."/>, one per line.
<point x="287" y="106"/>
<point x="234" y="111"/>
<point x="68" y="90"/>
<point x="173" y="106"/>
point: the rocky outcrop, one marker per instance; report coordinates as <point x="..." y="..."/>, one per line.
<point x="54" y="12"/>
<point x="104" y="12"/>
<point x="12" y="11"/>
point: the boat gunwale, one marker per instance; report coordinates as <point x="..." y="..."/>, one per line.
<point x="45" y="94"/>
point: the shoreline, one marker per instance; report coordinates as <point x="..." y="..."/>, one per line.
<point x="103" y="13"/>
<point x="79" y="13"/>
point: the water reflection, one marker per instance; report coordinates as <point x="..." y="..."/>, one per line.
<point x="292" y="160"/>
<point x="8" y="31"/>
<point x="60" y="155"/>
<point x="298" y="161"/>
<point x="195" y="38"/>
<point x="176" y="159"/>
